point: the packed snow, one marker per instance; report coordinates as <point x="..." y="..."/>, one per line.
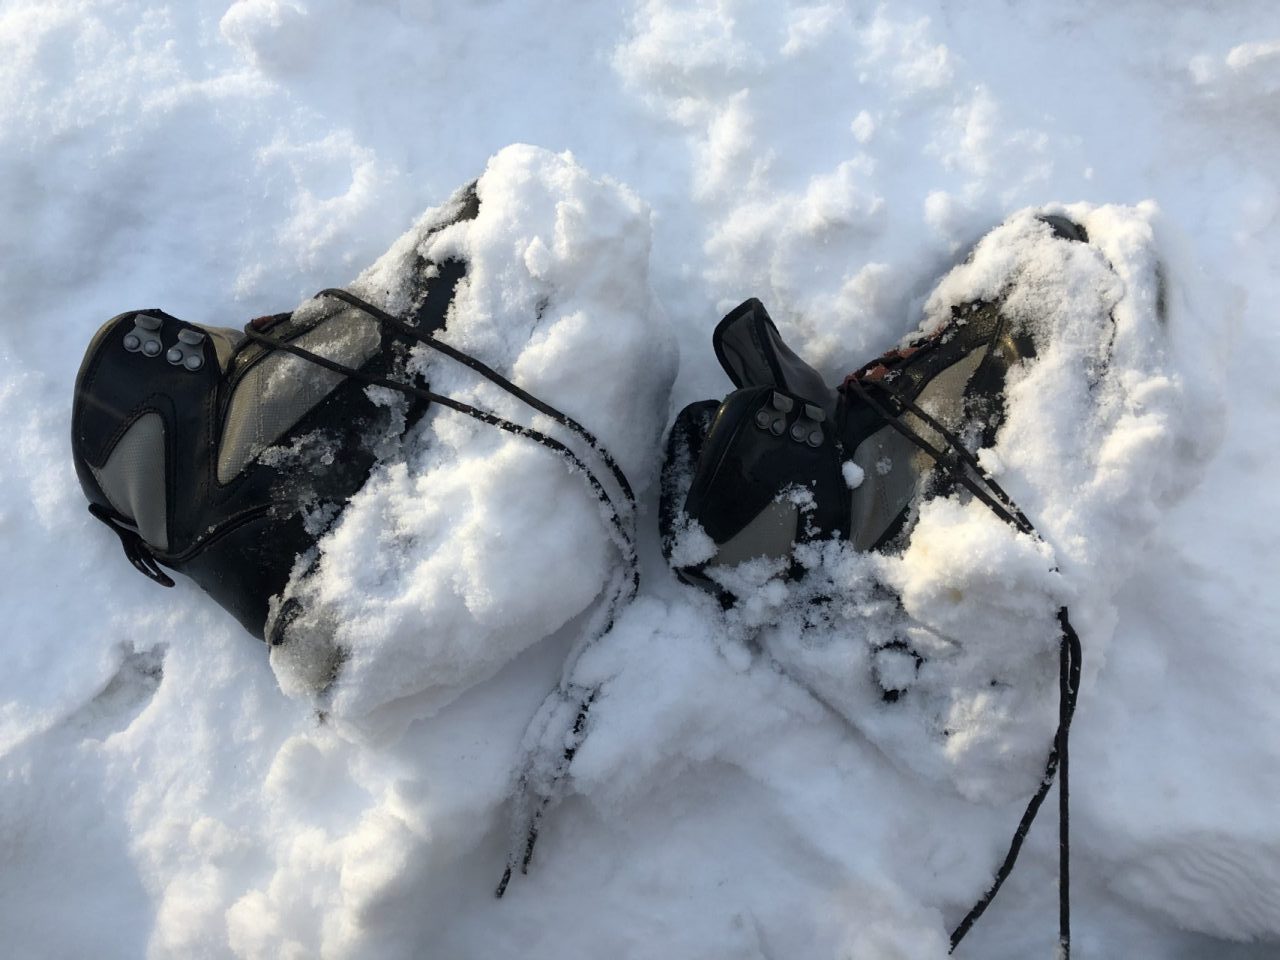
<point x="168" y="789"/>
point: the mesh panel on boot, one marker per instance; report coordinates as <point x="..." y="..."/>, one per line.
<point x="281" y="388"/>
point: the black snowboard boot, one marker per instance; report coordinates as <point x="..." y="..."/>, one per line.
<point x="785" y="459"/>
<point x="222" y="455"/>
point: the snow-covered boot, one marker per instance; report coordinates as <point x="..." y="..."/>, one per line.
<point x="786" y="459"/>
<point x="224" y="455"/>
<point x="227" y="455"/>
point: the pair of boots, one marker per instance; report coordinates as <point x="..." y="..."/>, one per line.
<point x="176" y="429"/>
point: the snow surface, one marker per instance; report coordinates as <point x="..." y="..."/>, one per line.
<point x="741" y="792"/>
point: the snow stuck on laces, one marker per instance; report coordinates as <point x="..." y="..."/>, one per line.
<point x="959" y="629"/>
<point x="472" y="544"/>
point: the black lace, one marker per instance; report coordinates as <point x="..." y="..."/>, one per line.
<point x="523" y="854"/>
<point x="491" y="375"/>
<point x="964" y="466"/>
<point x="623" y="528"/>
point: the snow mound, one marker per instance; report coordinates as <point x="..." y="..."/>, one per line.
<point x="472" y="543"/>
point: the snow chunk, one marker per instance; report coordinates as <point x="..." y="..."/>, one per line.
<point x="476" y="543"/>
<point x="853" y="474"/>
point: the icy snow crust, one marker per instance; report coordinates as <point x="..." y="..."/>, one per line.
<point x="743" y="791"/>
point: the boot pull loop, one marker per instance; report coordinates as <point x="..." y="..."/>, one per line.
<point x="135" y="548"/>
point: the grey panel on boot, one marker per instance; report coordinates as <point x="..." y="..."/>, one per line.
<point x="878" y="500"/>
<point x="281" y="389"/>
<point x="133" y="479"/>
<point x="771" y="534"/>
<point x="893" y="465"/>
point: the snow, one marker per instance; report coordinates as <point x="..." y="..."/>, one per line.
<point x="167" y="790"/>
<point x="853" y="474"/>
<point x="480" y="534"/>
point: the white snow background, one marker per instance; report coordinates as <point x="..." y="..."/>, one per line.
<point x="743" y="792"/>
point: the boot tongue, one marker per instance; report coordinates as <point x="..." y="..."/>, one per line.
<point x="748" y="346"/>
